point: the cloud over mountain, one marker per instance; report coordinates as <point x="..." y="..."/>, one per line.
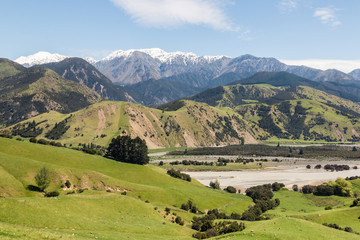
<point x="168" y="13"/>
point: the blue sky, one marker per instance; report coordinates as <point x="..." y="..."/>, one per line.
<point x="284" y="29"/>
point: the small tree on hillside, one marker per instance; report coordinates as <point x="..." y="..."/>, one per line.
<point x="42" y="178"/>
<point x="126" y="149"/>
<point x="215" y="185"/>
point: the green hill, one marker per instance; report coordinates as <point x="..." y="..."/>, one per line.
<point x="101" y="210"/>
<point x="191" y="124"/>
<point x="287" y="110"/>
<point x="36" y="90"/>
<point x="9" y="68"/>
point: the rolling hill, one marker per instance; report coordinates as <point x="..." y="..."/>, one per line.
<point x="113" y="200"/>
<point x="288" y="108"/>
<point x="185" y="123"/>
<point x="99" y="210"/>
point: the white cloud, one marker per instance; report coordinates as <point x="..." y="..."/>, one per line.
<point x="170" y="13"/>
<point x="287" y="6"/>
<point x="327" y="16"/>
<point x="324" y="64"/>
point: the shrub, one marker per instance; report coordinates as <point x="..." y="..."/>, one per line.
<point x="179" y="220"/>
<point x="33" y="188"/>
<point x="308" y="166"/>
<point x="230" y="189"/>
<point x="52" y="194"/>
<point x="261" y="192"/>
<point x="277" y="186"/>
<point x="68" y="184"/>
<point x="324" y="190"/>
<point x="328" y="207"/>
<point x="295" y="188"/>
<point x="33" y="140"/>
<point x="214" y="185"/>
<point x="43" y="141"/>
<point x="177" y="174"/>
<point x="307" y="189"/>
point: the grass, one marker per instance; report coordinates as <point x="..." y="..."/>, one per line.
<point x="289" y="228"/>
<point x="140" y="213"/>
<point x="106" y="215"/>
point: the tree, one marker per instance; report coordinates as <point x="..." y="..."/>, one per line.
<point x="42" y="178"/>
<point x="215" y="185"/>
<point x="126" y="149"/>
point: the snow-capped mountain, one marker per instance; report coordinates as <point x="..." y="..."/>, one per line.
<point x="162" y="56"/>
<point x="40" y="58"/>
<point x="138" y="65"/>
<point x="133" y="66"/>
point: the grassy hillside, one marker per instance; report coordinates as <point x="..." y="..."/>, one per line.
<point x="190" y="124"/>
<point x="107" y="214"/>
<point x="288" y="110"/>
<point x="9" y="68"/>
<point x="103" y="212"/>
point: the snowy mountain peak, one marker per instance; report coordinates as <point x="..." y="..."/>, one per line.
<point x="40" y="58"/>
<point x="162" y="55"/>
<point x="91" y="60"/>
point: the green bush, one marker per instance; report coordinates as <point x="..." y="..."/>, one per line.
<point x="230" y="189"/>
<point x="52" y="194"/>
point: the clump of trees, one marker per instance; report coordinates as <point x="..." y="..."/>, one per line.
<point x="189" y="206"/>
<point x="340" y="187"/>
<point x="207" y="228"/>
<point x="129" y="150"/>
<point x="336" y="167"/>
<point x="177" y="174"/>
<point x="335" y="226"/>
<point x="58" y="130"/>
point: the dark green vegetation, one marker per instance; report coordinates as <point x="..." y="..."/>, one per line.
<point x="126" y="149"/>
<point x="80" y="71"/>
<point x="267" y="150"/>
<point x="178" y="174"/>
<point x="25" y="93"/>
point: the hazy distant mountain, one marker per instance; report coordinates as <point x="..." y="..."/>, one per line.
<point x="36" y="90"/>
<point x="79" y="70"/>
<point x="158" y="92"/>
<point x="355" y="73"/>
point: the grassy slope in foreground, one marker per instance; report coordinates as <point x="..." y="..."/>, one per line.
<point x="106" y="215"/>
